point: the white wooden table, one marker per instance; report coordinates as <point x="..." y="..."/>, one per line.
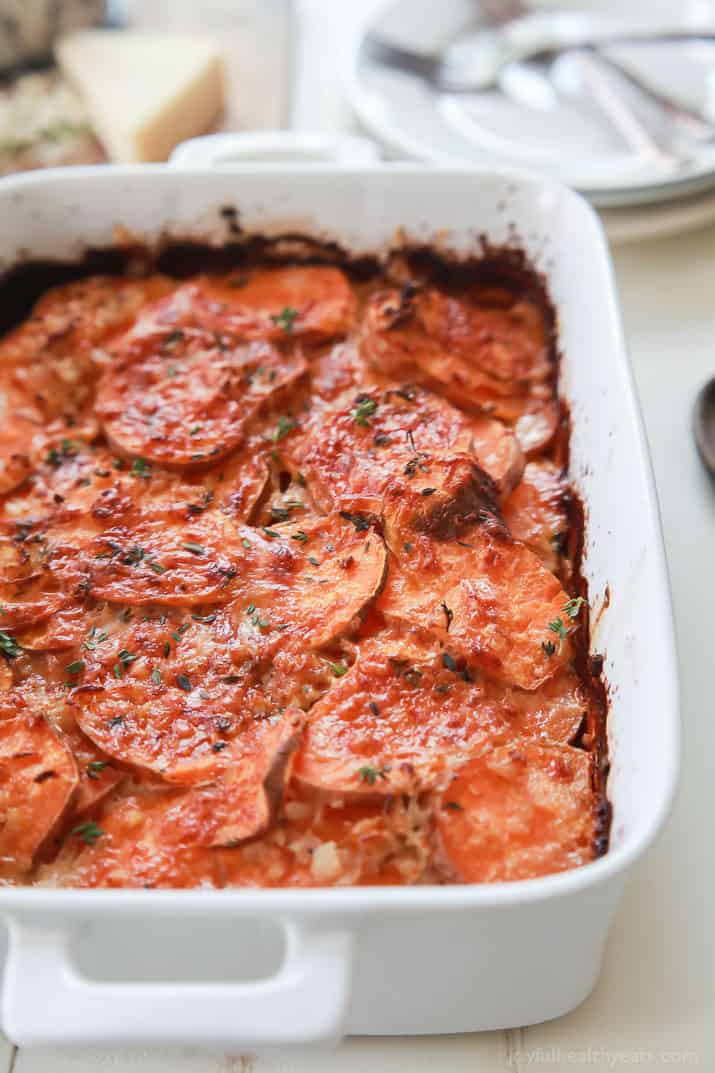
<point x="654" y="1008"/>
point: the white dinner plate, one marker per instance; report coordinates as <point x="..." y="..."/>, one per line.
<point x="537" y="119"/>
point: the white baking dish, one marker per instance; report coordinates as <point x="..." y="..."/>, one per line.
<point x="295" y="966"/>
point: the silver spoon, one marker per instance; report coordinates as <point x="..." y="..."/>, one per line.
<point x="475" y="64"/>
<point x="704" y="424"/>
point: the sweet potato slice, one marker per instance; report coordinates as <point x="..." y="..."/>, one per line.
<point x="507" y="614"/>
<point x="184" y="397"/>
<point x="37" y="578"/>
<point x="401" y="718"/>
<point x="160" y="561"/>
<point x="493" y="360"/>
<point x="379" y="437"/>
<point x="38" y="780"/>
<point x="307" y="582"/>
<point x="175" y="838"/>
<point x="516" y="812"/>
<point x="535" y="512"/>
<point x="552" y="713"/>
<point x="47" y="368"/>
<point x="153" y="838"/>
<point x="97" y="776"/>
<point x="312" y="302"/>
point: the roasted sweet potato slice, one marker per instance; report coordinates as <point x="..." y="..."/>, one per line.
<point x="493" y="360"/>
<point x="552" y="713"/>
<point x="174" y="838"/>
<point x="38" y="780"/>
<point x="401" y="718"/>
<point x="47" y="368"/>
<point x="535" y="512"/>
<point x="37" y="578"/>
<point x="311" y="302"/>
<point x="96" y="773"/>
<point x="516" y="812"/>
<point x="306" y="582"/>
<point x="537" y="425"/>
<point x="160" y="561"/>
<point x="507" y="614"/>
<point x="152" y="839"/>
<point x="184" y="397"/>
<point x="77" y="317"/>
<point x="380" y="437"/>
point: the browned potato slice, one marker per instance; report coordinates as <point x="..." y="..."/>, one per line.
<point x="38" y="780"/>
<point x="184" y="398"/>
<point x="516" y="812"/>
<point x="536" y="511"/>
<point x="380" y="437"/>
<point x="399" y="721"/>
<point x="488" y="359"/>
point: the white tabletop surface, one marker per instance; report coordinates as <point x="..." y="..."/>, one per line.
<point x="654" y="1007"/>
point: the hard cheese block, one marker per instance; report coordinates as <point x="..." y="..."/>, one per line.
<point x="144" y="92"/>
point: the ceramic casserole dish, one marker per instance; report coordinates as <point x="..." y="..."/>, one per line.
<point x="252" y="968"/>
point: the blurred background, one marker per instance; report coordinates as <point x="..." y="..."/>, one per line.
<point x="615" y="99"/>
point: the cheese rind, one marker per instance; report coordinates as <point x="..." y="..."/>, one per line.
<point x="144" y="92"/>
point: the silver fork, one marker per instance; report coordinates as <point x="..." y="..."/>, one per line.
<point x="648" y="119"/>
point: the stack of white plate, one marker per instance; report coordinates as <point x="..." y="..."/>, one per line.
<point x="544" y="116"/>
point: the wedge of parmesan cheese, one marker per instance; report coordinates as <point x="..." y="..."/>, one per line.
<point x="144" y="92"/>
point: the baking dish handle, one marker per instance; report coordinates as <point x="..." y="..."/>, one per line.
<point x="275" y="147"/>
<point x="46" y="1001"/>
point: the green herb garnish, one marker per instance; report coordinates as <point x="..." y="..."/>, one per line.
<point x="89" y="832"/>
<point x="140" y="468"/>
<point x="365" y="406"/>
<point x="285" y="318"/>
<point x="94" y="767"/>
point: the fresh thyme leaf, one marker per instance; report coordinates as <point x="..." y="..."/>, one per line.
<point x="558" y="627"/>
<point x="285" y="318"/>
<point x="339" y="669"/>
<point x="300" y="536"/>
<point x="204" y="618"/>
<point x="183" y="683"/>
<point x="246" y="543"/>
<point x="250" y="609"/>
<point x="360" y="521"/>
<point x="370" y="774"/>
<point x="428" y="491"/>
<point x="89" y="832"/>
<point x="94" y="767"/>
<point x="271" y="533"/>
<point x="284" y="425"/>
<point x="374" y="708"/>
<point x="449" y="661"/>
<point x="140" y="468"/>
<point x="365" y="406"/>
<point x="195" y="549"/>
<point x="76" y="667"/>
<point x="573" y="606"/>
<point x="313" y="561"/>
<point x="548" y="648"/>
<point x="156" y="676"/>
<point x="9" y="646"/>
